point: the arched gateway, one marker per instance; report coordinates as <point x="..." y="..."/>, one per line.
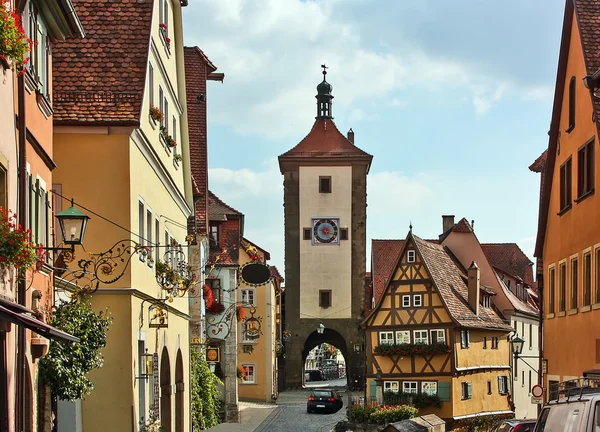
<point x="325" y="210"/>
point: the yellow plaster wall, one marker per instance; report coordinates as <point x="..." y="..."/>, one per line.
<point x="475" y="355"/>
<point x="480" y="401"/>
<point x="325" y="267"/>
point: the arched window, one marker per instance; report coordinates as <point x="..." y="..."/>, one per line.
<point x="571" y="105"/>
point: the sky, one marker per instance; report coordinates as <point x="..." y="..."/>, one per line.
<point x="452" y="99"/>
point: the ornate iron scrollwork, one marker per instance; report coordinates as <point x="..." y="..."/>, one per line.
<point x="174" y="274"/>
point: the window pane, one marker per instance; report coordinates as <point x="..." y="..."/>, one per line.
<point x="141" y="222"/>
<point x="574" y="283"/>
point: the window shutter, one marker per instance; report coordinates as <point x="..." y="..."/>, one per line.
<point x="468" y="338"/>
<point x="500" y="384"/>
<point x="443" y="389"/>
<point x="373" y="389"/>
<point x="469" y="390"/>
<point x="507" y="380"/>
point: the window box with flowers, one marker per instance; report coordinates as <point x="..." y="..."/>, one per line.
<point x="163" y="36"/>
<point x="16" y="248"/>
<point x="167" y="139"/>
<point x="406" y="350"/>
<point x="14" y="44"/>
<point x="177" y="158"/>
<point x="156" y="115"/>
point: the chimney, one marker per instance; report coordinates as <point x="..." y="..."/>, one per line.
<point x="473" y="224"/>
<point x="474" y="287"/>
<point x="447" y="222"/>
<point x="351" y="136"/>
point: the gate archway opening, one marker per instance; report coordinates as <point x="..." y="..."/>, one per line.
<point x="324" y="360"/>
<point x="165" y="391"/>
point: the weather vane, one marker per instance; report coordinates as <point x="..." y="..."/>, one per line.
<point x="324" y="70"/>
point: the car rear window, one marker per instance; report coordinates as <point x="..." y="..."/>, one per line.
<point x="565" y="417"/>
<point x="318" y="393"/>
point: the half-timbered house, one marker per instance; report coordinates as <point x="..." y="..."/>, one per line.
<point x="434" y="330"/>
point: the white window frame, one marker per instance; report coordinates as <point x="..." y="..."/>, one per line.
<point x="432" y="387"/>
<point x="403" y="336"/>
<point x="411" y="256"/>
<point x="393" y="386"/>
<point x="410" y="387"/>
<point x="406" y="301"/>
<point x="418" y="336"/>
<point x="420" y="302"/>
<point x="253" y="366"/>
<point x="386" y="338"/>
<point x="437" y="333"/>
<point x="244" y="297"/>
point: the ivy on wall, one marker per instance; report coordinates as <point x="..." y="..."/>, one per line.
<point x="66" y="365"/>
<point x="205" y="393"/>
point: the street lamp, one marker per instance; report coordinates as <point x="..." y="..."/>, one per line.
<point x="72" y="223"/>
<point x="146" y="365"/>
<point x="516" y="344"/>
<point x="320" y="327"/>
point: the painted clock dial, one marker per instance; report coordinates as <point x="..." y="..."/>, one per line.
<point x="325" y="231"/>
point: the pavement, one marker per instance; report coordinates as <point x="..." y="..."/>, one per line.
<point x="252" y="414"/>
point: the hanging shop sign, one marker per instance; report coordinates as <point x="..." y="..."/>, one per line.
<point x="158" y="317"/>
<point x="255" y="274"/>
<point x="213" y="354"/>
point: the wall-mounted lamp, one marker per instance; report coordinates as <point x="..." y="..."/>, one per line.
<point x="320" y="327"/>
<point x="201" y="97"/>
<point x="72" y="223"/>
<point x="146" y="365"/>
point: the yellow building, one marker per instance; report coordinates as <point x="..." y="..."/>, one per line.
<point x="434" y="331"/>
<point x="129" y="164"/>
<point x="258" y="357"/>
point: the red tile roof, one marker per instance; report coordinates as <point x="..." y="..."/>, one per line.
<point x="325" y="141"/>
<point x="453" y="289"/>
<point x="275" y="273"/>
<point x="384" y="255"/>
<point x="218" y="211"/>
<point x="101" y="79"/>
<point x="588" y="18"/>
<point x="510" y="259"/>
<point x="246" y="242"/>
<point x="540" y="163"/>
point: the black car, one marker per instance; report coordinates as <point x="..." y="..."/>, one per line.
<point x="314" y="375"/>
<point x="324" y="400"/>
<point x="515" y="425"/>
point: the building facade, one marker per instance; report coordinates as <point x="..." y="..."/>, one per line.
<point x="121" y="144"/>
<point x="568" y="240"/>
<point x="434" y="332"/>
<point x="258" y="357"/>
<point x="325" y="206"/>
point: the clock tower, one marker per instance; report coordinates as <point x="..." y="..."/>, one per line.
<point x="325" y="210"/>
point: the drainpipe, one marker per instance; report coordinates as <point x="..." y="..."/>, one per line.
<point x="540" y="283"/>
<point x="21" y="288"/>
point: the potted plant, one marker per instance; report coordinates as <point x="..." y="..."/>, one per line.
<point x="240" y="373"/>
<point x="168" y="138"/>
<point x="178" y="158"/>
<point x="156" y="114"/>
<point x="215" y="308"/>
<point x="16" y="248"/>
<point x="14" y="43"/>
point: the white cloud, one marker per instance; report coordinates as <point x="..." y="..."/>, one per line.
<point x="270" y="51"/>
<point x="247" y="183"/>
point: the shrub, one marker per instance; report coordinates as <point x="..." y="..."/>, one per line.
<point x="419" y="400"/>
<point x="360" y="413"/>
<point x="205" y="393"/>
<point x="392" y="413"/>
<point x="14" y="44"/>
<point x="16" y="247"/>
<point x="66" y="365"/>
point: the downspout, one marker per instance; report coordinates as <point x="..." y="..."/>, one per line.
<point x="21" y="288"/>
<point x="540" y="283"/>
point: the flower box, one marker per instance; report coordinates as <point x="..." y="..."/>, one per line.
<point x="406" y="350"/>
<point x="14" y="43"/>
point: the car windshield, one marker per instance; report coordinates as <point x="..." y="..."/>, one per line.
<point x="318" y="393"/>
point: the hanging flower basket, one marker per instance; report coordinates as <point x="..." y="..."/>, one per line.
<point x="208" y="296"/>
<point x="14" y="44"/>
<point x="239" y="313"/>
<point x="215" y="308"/>
<point x="168" y="138"/>
<point x="16" y="247"/>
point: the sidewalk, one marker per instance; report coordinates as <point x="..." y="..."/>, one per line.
<point x="252" y="414"/>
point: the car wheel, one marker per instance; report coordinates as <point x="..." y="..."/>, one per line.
<point x="308" y="411"/>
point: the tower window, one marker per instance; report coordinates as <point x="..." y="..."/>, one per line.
<point x="325" y="298"/>
<point x="325" y="184"/>
<point x="306" y="233"/>
<point x="410" y="256"/>
<point x="344" y="234"/>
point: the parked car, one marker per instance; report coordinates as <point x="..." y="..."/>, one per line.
<point x="324" y="400"/>
<point x="515" y="425"/>
<point x="575" y="408"/>
<point x="314" y="375"/>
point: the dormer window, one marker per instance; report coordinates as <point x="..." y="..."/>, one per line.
<point x="411" y="256"/>
<point x="213" y="236"/>
<point x="486" y="300"/>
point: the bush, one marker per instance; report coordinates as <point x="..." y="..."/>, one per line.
<point x="205" y="393"/>
<point x="392" y="413"/>
<point x="419" y="400"/>
<point x="360" y="413"/>
<point x="66" y="365"/>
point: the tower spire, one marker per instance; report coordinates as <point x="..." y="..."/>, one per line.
<point x="324" y="97"/>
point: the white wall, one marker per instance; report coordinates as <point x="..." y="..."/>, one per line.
<point x="527" y="329"/>
<point x="325" y="267"/>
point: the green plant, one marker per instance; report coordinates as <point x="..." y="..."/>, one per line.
<point x="178" y="157"/>
<point x="66" y="365"/>
<point x="483" y="423"/>
<point x="151" y="425"/>
<point x="392" y="413"/>
<point x="405" y="350"/>
<point x="204" y="393"/>
<point x="156" y="114"/>
<point x="419" y="400"/>
<point x="360" y="413"/>
<point x="168" y="138"/>
<point x="16" y="247"/>
<point x="14" y="44"/>
<point x="240" y="373"/>
<point x="165" y="273"/>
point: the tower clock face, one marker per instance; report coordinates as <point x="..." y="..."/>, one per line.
<point x="325" y="231"/>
